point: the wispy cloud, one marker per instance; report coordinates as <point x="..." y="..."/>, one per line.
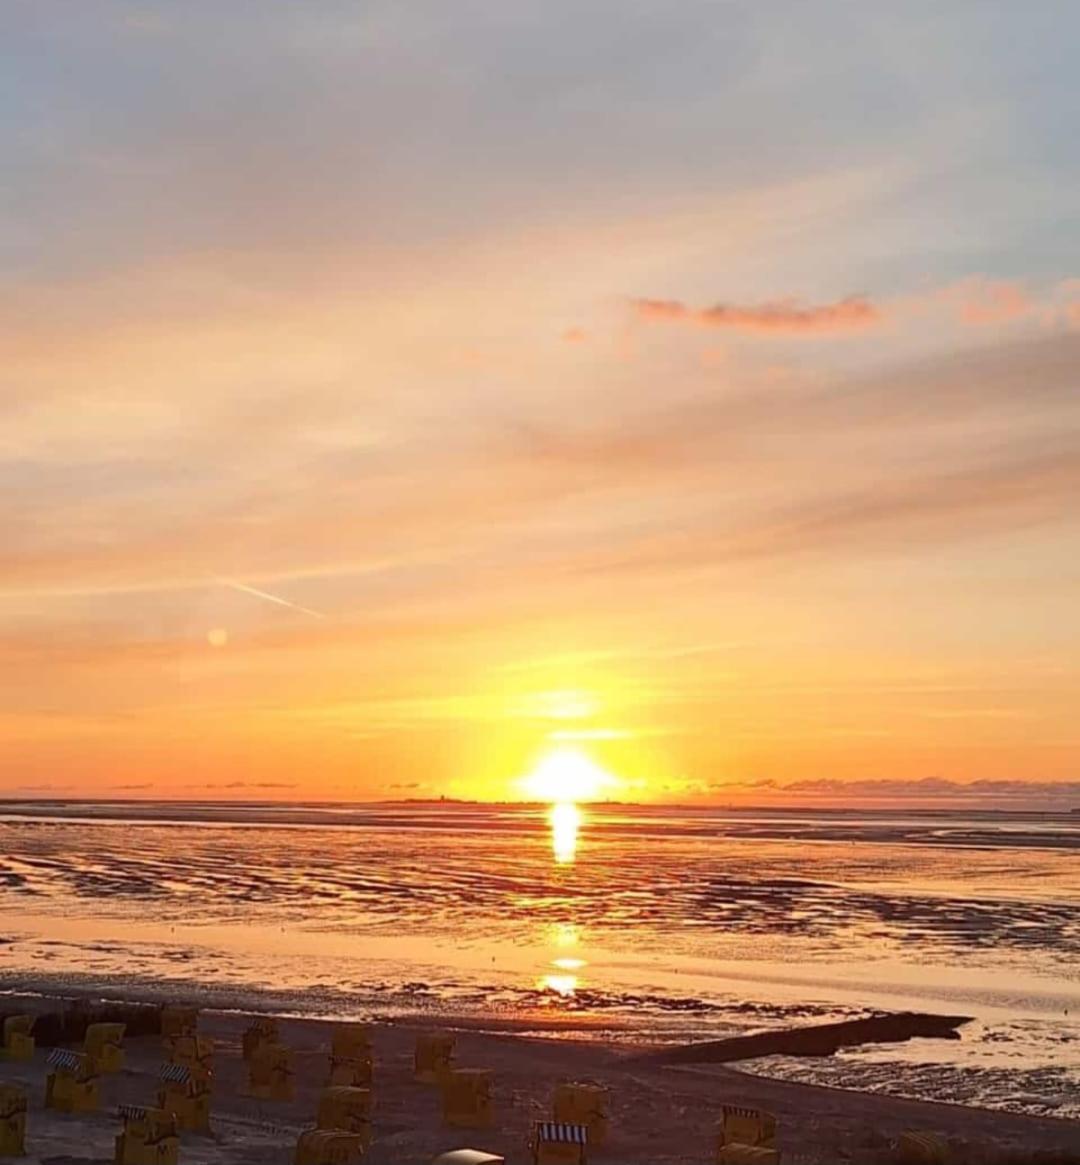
<point x="856" y="313"/>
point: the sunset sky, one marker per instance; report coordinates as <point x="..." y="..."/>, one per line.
<point x="394" y="392"/>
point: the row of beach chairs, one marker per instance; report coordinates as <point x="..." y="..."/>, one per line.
<point x="343" y="1119"/>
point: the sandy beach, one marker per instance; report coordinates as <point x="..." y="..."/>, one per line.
<point x="665" y="1115"/>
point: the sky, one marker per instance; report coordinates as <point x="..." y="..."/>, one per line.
<point x="396" y="393"/>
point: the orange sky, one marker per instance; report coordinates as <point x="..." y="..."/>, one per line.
<point x="392" y="398"/>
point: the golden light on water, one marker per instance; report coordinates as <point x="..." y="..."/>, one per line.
<point x="565" y="818"/>
<point x="564" y="985"/>
<point x="565" y="776"/>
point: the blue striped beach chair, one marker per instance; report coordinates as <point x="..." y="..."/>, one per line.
<point x="555" y="1143"/>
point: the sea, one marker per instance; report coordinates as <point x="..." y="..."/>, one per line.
<point x="621" y="923"/>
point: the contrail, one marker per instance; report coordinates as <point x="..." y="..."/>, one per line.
<point x="245" y="589"/>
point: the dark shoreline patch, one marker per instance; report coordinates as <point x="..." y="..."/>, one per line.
<point x="823" y="1039"/>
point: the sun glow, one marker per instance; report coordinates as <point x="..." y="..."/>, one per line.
<point x="567" y="774"/>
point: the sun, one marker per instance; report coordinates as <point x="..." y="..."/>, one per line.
<point x="567" y="775"/>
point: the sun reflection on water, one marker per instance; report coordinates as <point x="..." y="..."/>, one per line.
<point x="565" y="818"/>
<point x="564" y="985"/>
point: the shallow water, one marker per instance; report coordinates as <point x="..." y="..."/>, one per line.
<point x="666" y="924"/>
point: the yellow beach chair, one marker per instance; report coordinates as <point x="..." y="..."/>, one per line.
<point x="262" y="1031"/>
<point x="12" y="1120"/>
<point x="195" y="1052"/>
<point x="72" y="1085"/>
<point x="583" y="1104"/>
<point x="917" y="1148"/>
<point x="434" y="1055"/>
<point x="18" y="1042"/>
<point x="271" y="1073"/>
<point x="328" y="1147"/>
<point x="554" y="1143"/>
<point x="466" y="1098"/>
<point x="356" y="1072"/>
<point x="177" y="1023"/>
<point x="149" y="1137"/>
<point x="103" y="1044"/>
<point x="351" y="1041"/>
<point x="344" y="1108"/>
<point x="743" y="1129"/>
<point x="186" y="1095"/>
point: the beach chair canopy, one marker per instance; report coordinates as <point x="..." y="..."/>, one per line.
<point x="554" y="1132"/>
<point x="67" y="1060"/>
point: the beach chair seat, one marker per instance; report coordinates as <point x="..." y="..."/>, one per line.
<point x="150" y="1136"/>
<point x="741" y="1125"/>
<point x="271" y="1073"/>
<point x="735" y="1154"/>
<point x="352" y="1072"/>
<point x="345" y="1108"/>
<point x="328" y="1147"/>
<point x="466" y="1098"/>
<point x="577" y="1103"/>
<point x="18" y="1043"/>
<point x="13" y="1105"/>
<point x="73" y="1083"/>
<point x="350" y="1041"/>
<point x="186" y="1095"/>
<point x="103" y="1044"/>
<point x="178" y="1021"/>
<point x="921" y="1148"/>
<point x="468" y="1157"/>
<point x="262" y="1030"/>
<point x="433" y="1057"/>
<point x="555" y="1143"/>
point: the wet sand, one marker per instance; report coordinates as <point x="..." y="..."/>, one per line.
<point x="661" y="1114"/>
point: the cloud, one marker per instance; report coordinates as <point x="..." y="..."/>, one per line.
<point x="985" y="302"/>
<point x="855" y="313"/>
<point x="1000" y="793"/>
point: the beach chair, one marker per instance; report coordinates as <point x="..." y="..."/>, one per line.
<point x="347" y="1109"/>
<point x="72" y="1085"/>
<point x="918" y="1148"/>
<point x="186" y="1095"/>
<point x="18" y="1043"/>
<point x="582" y="1104"/>
<point x="271" y="1073"/>
<point x="554" y="1143"/>
<point x="740" y="1125"/>
<point x="434" y="1054"/>
<point x="194" y="1052"/>
<point x="263" y="1030"/>
<point x="468" y="1157"/>
<point x="103" y="1044"/>
<point x="12" y="1120"/>
<point x="350" y="1041"/>
<point x="149" y="1137"/>
<point x="177" y="1023"/>
<point x="466" y="1098"/>
<point x="355" y="1072"/>
<point x="328" y="1147"/>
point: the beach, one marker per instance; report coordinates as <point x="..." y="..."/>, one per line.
<point x="665" y="1115"/>
<point x="667" y="926"/>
